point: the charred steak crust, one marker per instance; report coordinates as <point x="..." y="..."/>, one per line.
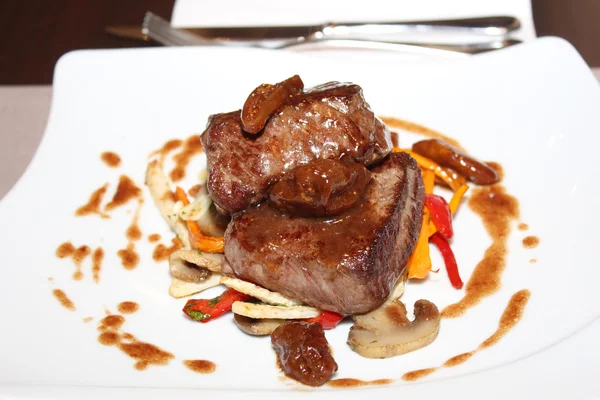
<point x="347" y="264"/>
<point x="329" y="121"/>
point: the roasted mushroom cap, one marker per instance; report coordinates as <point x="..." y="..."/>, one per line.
<point x="387" y="331"/>
<point x="257" y="327"/>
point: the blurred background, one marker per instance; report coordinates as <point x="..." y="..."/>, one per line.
<point x="35" y="33"/>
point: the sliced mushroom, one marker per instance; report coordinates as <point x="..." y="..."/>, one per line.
<point x="257" y="327"/>
<point x="192" y="266"/>
<point x="387" y="331"/>
<point x="181" y="288"/>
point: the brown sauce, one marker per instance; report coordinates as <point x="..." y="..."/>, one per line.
<point x="194" y="190"/>
<point x="531" y="242"/>
<point x="63" y="299"/>
<point x="510" y="318"/>
<point x="419" y="129"/>
<point x="133" y="232"/>
<point x="395" y="139"/>
<point x="169" y="195"/>
<point x="97" y="258"/>
<point x="459" y="359"/>
<point x="533" y="260"/>
<point x="129" y="257"/>
<point x="352" y="383"/>
<point x="498" y="168"/>
<point x="155" y="237"/>
<point x="128" y="307"/>
<point x="497" y="210"/>
<point x="168" y="147"/>
<point x="144" y="353"/>
<point x="88" y="319"/>
<point x="93" y="204"/>
<point x="77" y="255"/>
<point x="200" y="366"/>
<point x="126" y="191"/>
<point x="418" y="374"/>
<point x="111" y="159"/>
<point x="523" y="226"/>
<point x="162" y="252"/>
<point x="191" y="147"/>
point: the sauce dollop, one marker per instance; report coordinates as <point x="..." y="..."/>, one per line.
<point x="321" y="188"/>
<point x="200" y="366"/>
<point x="111" y="159"/>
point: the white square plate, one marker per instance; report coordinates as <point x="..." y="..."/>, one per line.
<point x="534" y="108"/>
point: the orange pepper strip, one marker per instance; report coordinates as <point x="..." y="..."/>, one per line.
<point x="452" y="179"/>
<point x="199" y="241"/>
<point x="419" y="263"/>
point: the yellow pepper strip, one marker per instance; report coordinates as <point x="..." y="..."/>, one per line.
<point x="457" y="197"/>
<point x="452" y="179"/>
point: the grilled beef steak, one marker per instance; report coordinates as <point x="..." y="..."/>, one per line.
<point x="330" y="121"/>
<point x="347" y="263"/>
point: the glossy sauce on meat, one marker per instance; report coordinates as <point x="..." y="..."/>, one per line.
<point x="303" y="352"/>
<point x="321" y="188"/>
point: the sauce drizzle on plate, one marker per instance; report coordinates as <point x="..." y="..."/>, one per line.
<point x="497" y="210"/>
<point x="63" y="299"/>
<point x="510" y="318"/>
<point x="352" y="383"/>
<point x="93" y="204"/>
<point x="200" y="366"/>
<point x="111" y="159"/>
<point x="67" y="250"/>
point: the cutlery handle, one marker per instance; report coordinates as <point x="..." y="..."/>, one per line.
<point x="494" y="26"/>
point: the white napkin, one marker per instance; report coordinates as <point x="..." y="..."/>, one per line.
<point x="199" y="13"/>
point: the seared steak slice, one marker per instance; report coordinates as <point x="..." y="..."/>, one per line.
<point x="329" y="121"/>
<point x="347" y="264"/>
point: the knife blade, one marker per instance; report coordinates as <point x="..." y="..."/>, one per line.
<point x="489" y="26"/>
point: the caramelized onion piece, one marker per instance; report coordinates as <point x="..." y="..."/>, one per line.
<point x="265" y="100"/>
<point x="322" y="188"/>
<point x="449" y="156"/>
<point x="303" y="352"/>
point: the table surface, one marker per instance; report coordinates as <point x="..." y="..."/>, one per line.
<point x="23" y="115"/>
<point x="35" y="33"/>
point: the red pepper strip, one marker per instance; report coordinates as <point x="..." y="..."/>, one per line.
<point x="327" y="319"/>
<point x="440" y="214"/>
<point x="449" y="259"/>
<point x="204" y="310"/>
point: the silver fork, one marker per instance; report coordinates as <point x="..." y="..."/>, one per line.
<point x="162" y="32"/>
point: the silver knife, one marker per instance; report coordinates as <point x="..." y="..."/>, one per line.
<point x="490" y="26"/>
